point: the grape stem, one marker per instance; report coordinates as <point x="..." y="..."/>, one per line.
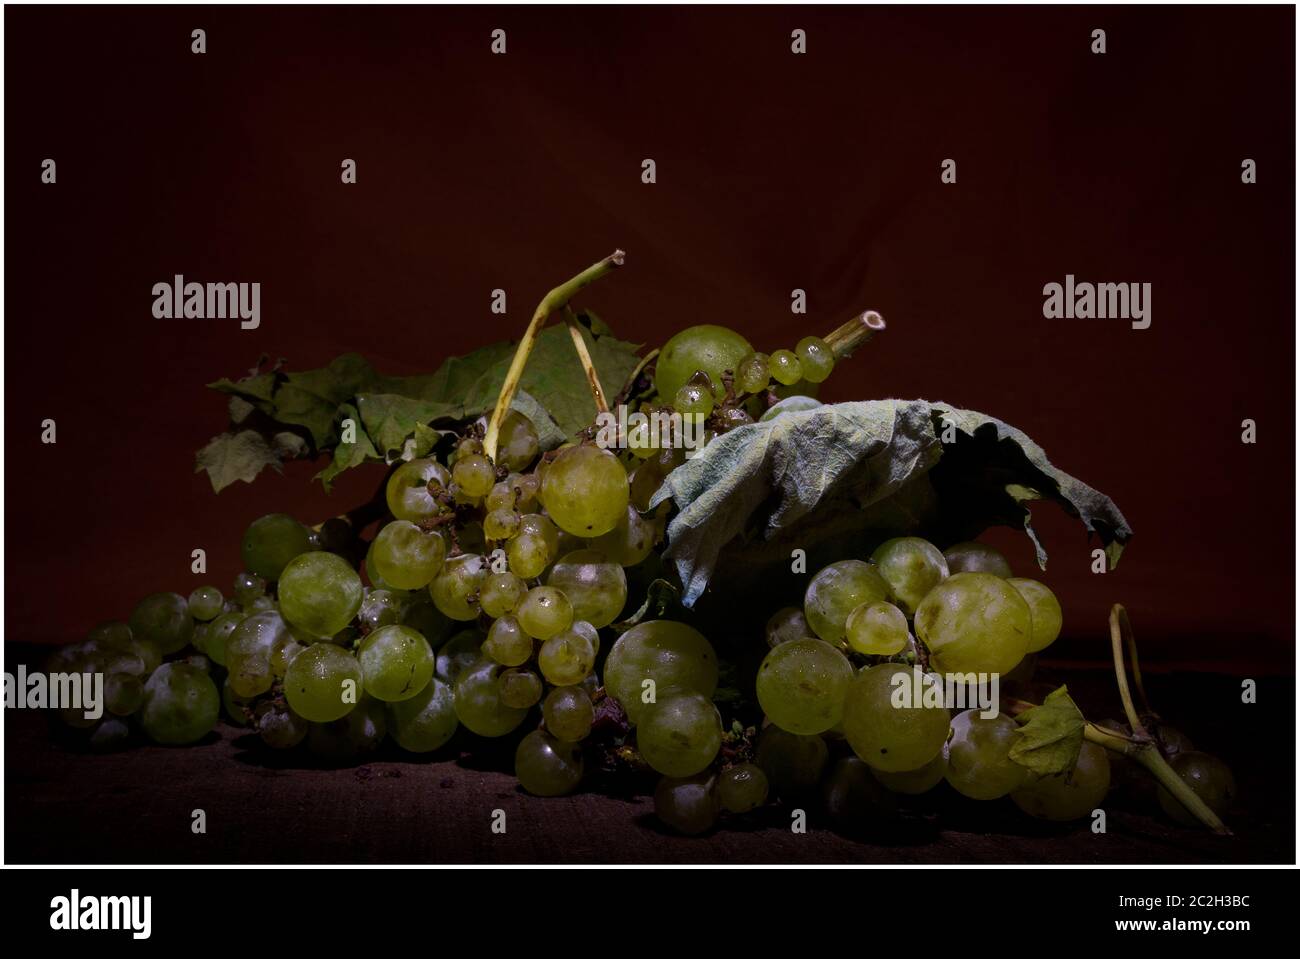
<point x="843" y="340"/>
<point x="554" y="300"/>
<point x="1120" y="629"/>
<point x="626" y="392"/>
<point x="584" y="357"/>
<point x="1147" y="754"/>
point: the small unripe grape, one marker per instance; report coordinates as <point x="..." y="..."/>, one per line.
<point x="566" y="659"/>
<point x="205" y="603"/>
<point x="501" y="496"/>
<point x="544" y="612"/>
<point x="753" y="373"/>
<point x="742" y="788"/>
<point x="412" y="487"/>
<point x="507" y="643"/>
<point x="454" y="589"/>
<point x="501" y="524"/>
<point x="501" y="593"/>
<point x="520" y="688"/>
<point x="785" y="367"/>
<point x="568" y="713"/>
<point x="474" y="475"/>
<point x="528" y="555"/>
<point x="815" y="358"/>
<point x="693" y="400"/>
<point x="518" y="444"/>
<point x="733" y="416"/>
<point x="877" y="629"/>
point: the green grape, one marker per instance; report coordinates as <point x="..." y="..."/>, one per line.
<point x="466" y="446"/>
<point x="974" y="622"/>
<point x="690" y="805"/>
<point x="320" y="593"/>
<point x="648" y="477"/>
<point x="630" y="542"/>
<point x="164" y="620"/>
<point x="501" y="524"/>
<point x="912" y="567"/>
<point x="517" y="444"/>
<point x="426" y="619"/>
<point x="1172" y="740"/>
<point x="595" y="586"/>
<point x="237" y="708"/>
<point x="426" y="721"/>
<point x="1045" y="617"/>
<point x="205" y="603"/>
<point x="855" y="800"/>
<point x="668" y="654"/>
<point x="585" y="491"/>
<point x="405" y="556"/>
<point x="836" y="591"/>
<point x="408" y="491"/>
<point x="455" y="588"/>
<point x="527" y="488"/>
<point x="396" y="662"/>
<point x="708" y="348"/>
<point x="680" y="734"/>
<point x="123" y="694"/>
<point x="535" y="524"/>
<point x="127" y="664"/>
<point x="520" y="688"/>
<point x="913" y="782"/>
<point x="787" y="625"/>
<point x="731" y="417"/>
<point x="501" y="496"/>
<point x="501" y="593"/>
<point x="248" y="587"/>
<point x="785" y="367"/>
<point x="199" y="661"/>
<point x="801" y="685"/>
<point x="1067" y="796"/>
<point x="589" y="633"/>
<point x="877" y="629"/>
<point x="271" y="542"/>
<point x="1209" y="777"/>
<point x="816" y="359"/>
<point x="379" y="608"/>
<point x="458" y="654"/>
<point x="262" y="604"/>
<point x="742" y="788"/>
<point x="566" y="659"/>
<point x="793" y="763"/>
<point x="568" y="713"/>
<point x="180" y="704"/>
<point x="976" y="558"/>
<point x="693" y="400"/>
<point x="528" y="555"/>
<point x="474" y="475"/>
<point x="111" y="733"/>
<point x="889" y="737"/>
<point x="478" y="702"/>
<point x="283" y="653"/>
<point x="546" y="766"/>
<point x="791" y="404"/>
<point x="507" y="643"/>
<point x="218" y="635"/>
<point x="979" y="756"/>
<point x="278" y="725"/>
<point x="350" y="737"/>
<point x="112" y="634"/>
<point x="545" y="611"/>
<point x="248" y="653"/>
<point x="752" y="373"/>
<point x="317" y="685"/>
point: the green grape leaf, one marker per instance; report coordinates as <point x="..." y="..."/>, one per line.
<point x="229" y="457"/>
<point x="1050" y="735"/>
<point x="348" y="455"/>
<point x="399" y="414"/>
<point x="836" y="480"/>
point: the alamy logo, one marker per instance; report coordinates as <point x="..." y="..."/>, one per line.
<point x="84" y="691"/>
<point x="74" y="912"/>
<point x="1102" y="301"/>
<point x="921" y="690"/>
<point x="208" y="301"/>
<point x="657" y="430"/>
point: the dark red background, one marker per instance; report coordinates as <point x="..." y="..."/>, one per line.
<point x="775" y="171"/>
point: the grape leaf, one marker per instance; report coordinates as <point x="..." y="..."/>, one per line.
<point x="1050" y="735"/>
<point x="837" y="479"/>
<point x="396" y="415"/>
<point x="235" y="456"/>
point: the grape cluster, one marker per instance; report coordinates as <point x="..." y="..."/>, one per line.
<point x="485" y="596"/>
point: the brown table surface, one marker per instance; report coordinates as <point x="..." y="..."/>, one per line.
<point x="69" y="806"/>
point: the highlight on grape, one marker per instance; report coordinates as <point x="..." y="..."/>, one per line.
<point x="526" y="571"/>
